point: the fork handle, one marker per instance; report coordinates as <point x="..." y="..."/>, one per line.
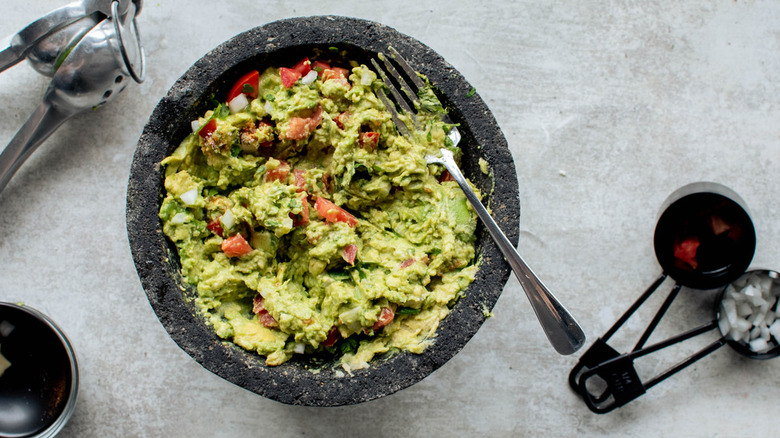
<point x="565" y="335"/>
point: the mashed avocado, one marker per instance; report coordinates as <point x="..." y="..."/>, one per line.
<point x="308" y="225"/>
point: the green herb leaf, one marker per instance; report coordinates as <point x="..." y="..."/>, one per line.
<point x="248" y="89"/>
<point x="221" y="111"/>
<point x="269" y="97"/>
<point x="471" y="92"/>
<point x="333" y="49"/>
<point x="235" y="150"/>
<point x="349" y="345"/>
<point x="407" y="311"/>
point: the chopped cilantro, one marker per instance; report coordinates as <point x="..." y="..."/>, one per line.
<point x="269" y="97"/>
<point x="407" y="311"/>
<point x="349" y="345"/>
<point x="248" y="89"/>
<point x="471" y="92"/>
<point x="333" y="49"/>
<point x="235" y="150"/>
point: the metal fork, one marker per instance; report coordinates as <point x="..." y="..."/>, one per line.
<point x="561" y="329"/>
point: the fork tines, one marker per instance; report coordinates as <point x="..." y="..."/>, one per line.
<point x="409" y="83"/>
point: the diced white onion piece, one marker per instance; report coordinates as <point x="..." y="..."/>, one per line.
<point x="268" y="107"/>
<point x="195" y="125"/>
<point x="309" y="78"/>
<point x="366" y="79"/>
<point x="742" y="325"/>
<point x="189" y="197"/>
<point x="730" y="309"/>
<point x="744" y="309"/>
<point x="238" y="103"/>
<point x="774" y="329"/>
<point x="6" y="328"/>
<point x="759" y="345"/>
<point x="179" y="218"/>
<point x="300" y="348"/>
<point x="228" y="220"/>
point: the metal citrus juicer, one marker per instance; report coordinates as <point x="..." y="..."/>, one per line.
<point x="716" y="221"/>
<point x="89" y="49"/>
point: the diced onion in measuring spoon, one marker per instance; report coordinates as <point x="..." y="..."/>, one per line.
<point x="749" y="314"/>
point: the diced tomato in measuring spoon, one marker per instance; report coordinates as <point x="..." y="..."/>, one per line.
<point x="386" y="316"/>
<point x="302" y="218"/>
<point x="369" y="140"/>
<point x="319" y="67"/>
<point x="216" y="227"/>
<point x="685" y="251"/>
<point x="289" y="76"/>
<point x="278" y="174"/>
<point x="236" y="246"/>
<point x="247" y="84"/>
<point x="303" y="66"/>
<point x="348" y="253"/>
<point x="333" y="213"/>
<point x="333" y="335"/>
<point x="208" y="129"/>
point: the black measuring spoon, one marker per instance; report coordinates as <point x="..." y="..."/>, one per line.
<point x="704" y="239"/>
<point x="38" y="390"/>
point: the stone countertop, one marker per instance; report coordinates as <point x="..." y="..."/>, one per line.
<point x="607" y="107"/>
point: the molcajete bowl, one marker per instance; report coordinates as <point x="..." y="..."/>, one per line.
<point x="313" y="381"/>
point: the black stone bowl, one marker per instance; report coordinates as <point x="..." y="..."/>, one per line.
<point x="313" y="381"/>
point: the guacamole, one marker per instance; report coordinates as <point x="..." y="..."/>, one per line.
<point x="308" y="225"/>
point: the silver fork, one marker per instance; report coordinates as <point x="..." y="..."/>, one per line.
<point x="561" y="329"/>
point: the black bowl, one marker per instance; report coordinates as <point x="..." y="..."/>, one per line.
<point x="314" y="381"/>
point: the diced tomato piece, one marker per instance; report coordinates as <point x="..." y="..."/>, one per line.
<point x="303" y="66"/>
<point x="236" y="246"/>
<point x="333" y="213"/>
<point x="326" y="182"/>
<point x="348" y="253"/>
<point x="386" y="316"/>
<point x="685" y="251"/>
<point x="718" y="225"/>
<point x="300" y="127"/>
<point x="341" y="119"/>
<point x="265" y="318"/>
<point x="337" y="73"/>
<point x="333" y="335"/>
<point x="369" y="140"/>
<point x="208" y="129"/>
<point x="319" y="67"/>
<point x="278" y="174"/>
<point x="406" y="263"/>
<point x="289" y="76"/>
<point x="446" y="176"/>
<point x="302" y="218"/>
<point x="251" y="79"/>
<point x="216" y="227"/>
<point x="300" y="180"/>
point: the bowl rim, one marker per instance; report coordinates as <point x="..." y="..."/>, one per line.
<point x="293" y="382"/>
<point x="70" y="405"/>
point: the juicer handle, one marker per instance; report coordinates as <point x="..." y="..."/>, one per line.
<point x="41" y="124"/>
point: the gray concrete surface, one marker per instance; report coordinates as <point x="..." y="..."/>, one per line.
<point x="608" y="108"/>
